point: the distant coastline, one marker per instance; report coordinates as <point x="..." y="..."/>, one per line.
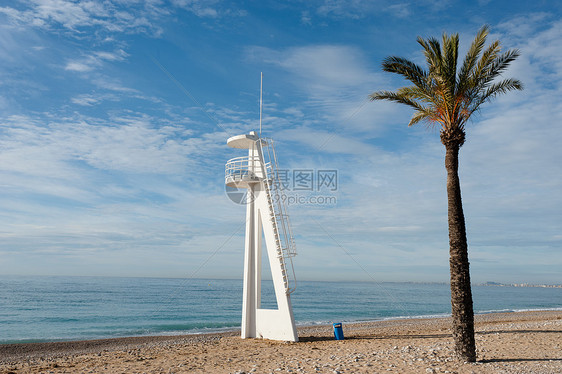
<point x="489" y="284"/>
<point x="496" y="284"/>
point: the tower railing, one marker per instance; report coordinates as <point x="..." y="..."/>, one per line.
<point x="240" y="169"/>
<point x="278" y="203"/>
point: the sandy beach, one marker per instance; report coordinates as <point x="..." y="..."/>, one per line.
<point x="526" y="342"/>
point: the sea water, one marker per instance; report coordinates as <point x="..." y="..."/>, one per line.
<point x="37" y="309"/>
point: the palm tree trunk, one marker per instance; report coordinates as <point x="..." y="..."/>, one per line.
<point x="461" y="294"/>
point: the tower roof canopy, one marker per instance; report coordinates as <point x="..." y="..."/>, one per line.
<point x="245" y="141"/>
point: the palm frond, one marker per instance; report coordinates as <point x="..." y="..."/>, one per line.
<point x="414" y="92"/>
<point x="409" y="70"/>
<point x="483" y="66"/>
<point x="432" y="52"/>
<point x="493" y="71"/>
<point x="450" y="55"/>
<point x="500" y="64"/>
<point x="495" y="89"/>
<point x="471" y="58"/>
<point x="420" y="116"/>
<point x="394" y="96"/>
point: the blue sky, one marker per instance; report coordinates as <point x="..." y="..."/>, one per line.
<point x="114" y="117"/>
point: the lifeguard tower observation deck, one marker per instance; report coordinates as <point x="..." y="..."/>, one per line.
<point x="266" y="220"/>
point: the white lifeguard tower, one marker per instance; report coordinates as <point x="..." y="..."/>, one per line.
<point x="265" y="213"/>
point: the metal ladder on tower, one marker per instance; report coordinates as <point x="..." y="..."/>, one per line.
<point x="277" y="202"/>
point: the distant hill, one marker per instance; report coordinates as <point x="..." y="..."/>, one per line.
<point x="489" y="283"/>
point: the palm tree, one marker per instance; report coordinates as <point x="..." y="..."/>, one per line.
<point x="446" y="96"/>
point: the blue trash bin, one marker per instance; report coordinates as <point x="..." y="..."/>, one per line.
<point x="338" y="331"/>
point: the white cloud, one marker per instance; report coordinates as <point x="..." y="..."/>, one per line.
<point x="327" y="66"/>
<point x="328" y="142"/>
<point x="336" y="81"/>
<point x="78" y="66"/>
<point x="201" y="8"/>
<point x="112" y="85"/>
<point x="79" y="187"/>
<point x="75" y="16"/>
<point x="130" y="144"/>
<point x="349" y="9"/>
<point x="540" y="66"/>
<point x="17" y="47"/>
<point x="358" y="9"/>
<point x="86" y="100"/>
<point x="210" y="8"/>
<point x="118" y="55"/>
<point x="67" y="13"/>
<point x="305" y="18"/>
<point x="94" y="60"/>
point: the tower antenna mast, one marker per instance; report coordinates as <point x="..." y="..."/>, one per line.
<point x="261" y="99"/>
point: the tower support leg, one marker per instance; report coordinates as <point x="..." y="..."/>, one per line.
<point x="275" y="324"/>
